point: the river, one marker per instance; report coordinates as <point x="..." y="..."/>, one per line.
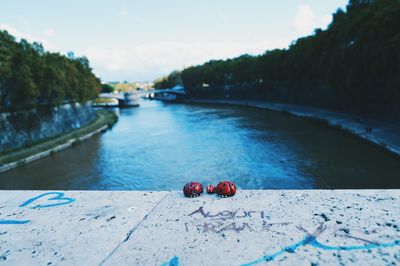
<point x="161" y="146"/>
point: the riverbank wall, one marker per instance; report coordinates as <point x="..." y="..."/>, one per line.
<point x="105" y="120"/>
<point x="23" y="128"/>
<point x="255" y="227"/>
<point x="383" y="134"/>
<point x="40" y="155"/>
<point x="310" y="96"/>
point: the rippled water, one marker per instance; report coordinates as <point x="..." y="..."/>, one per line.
<point x="161" y="146"/>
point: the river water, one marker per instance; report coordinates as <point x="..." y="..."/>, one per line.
<point x="161" y="146"/>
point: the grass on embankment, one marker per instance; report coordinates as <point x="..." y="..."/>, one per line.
<point x="105" y="100"/>
<point x="103" y="117"/>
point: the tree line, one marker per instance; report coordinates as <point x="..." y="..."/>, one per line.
<point x="170" y="81"/>
<point x="353" y="65"/>
<point x="31" y="76"/>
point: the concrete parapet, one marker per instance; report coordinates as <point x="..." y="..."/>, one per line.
<point x="304" y="227"/>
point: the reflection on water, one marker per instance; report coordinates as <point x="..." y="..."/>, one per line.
<point x="161" y="146"/>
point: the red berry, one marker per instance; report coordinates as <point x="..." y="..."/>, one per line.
<point x="192" y="189"/>
<point x="226" y="189"/>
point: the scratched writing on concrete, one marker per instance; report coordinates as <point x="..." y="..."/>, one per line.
<point x="311" y="239"/>
<point x="232" y="220"/>
<point x="226" y="214"/>
<point x="258" y="221"/>
<point x="219" y="227"/>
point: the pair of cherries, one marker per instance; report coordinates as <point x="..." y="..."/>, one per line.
<point x="223" y="189"/>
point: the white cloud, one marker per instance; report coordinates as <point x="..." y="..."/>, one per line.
<point x="24" y="21"/>
<point x="324" y="21"/>
<point x="123" y="12"/>
<point x="48" y="32"/>
<point x="306" y="21"/>
<point x="29" y="37"/>
<point x="149" y="61"/>
<point x="16" y="33"/>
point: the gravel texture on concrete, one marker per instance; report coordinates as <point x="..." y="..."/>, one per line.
<point x="303" y="227"/>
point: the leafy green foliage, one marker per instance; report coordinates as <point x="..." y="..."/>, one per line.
<point x="353" y="66"/>
<point x="170" y="81"/>
<point x="107" y="88"/>
<point x="29" y="76"/>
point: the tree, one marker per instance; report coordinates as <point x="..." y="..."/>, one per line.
<point x="30" y="76"/>
<point x="107" y="88"/>
<point x="172" y="80"/>
<point x="352" y="66"/>
<point x="23" y="90"/>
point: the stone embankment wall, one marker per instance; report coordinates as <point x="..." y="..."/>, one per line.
<point x="21" y="128"/>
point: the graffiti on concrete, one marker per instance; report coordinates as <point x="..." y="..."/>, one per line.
<point x="231" y="220"/>
<point x="312" y="240"/>
<point x="219" y="227"/>
<point x="14" y="221"/>
<point x="259" y="221"/>
<point x="172" y="262"/>
<point x="226" y="214"/>
<point x="57" y="200"/>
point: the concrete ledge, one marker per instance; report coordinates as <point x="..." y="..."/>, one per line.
<point x="304" y="227"/>
<point x="383" y="134"/>
<point x="43" y="154"/>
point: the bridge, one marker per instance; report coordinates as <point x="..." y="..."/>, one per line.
<point x="143" y="93"/>
<point x="130" y="97"/>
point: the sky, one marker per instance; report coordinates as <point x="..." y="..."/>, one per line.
<point x="144" y="40"/>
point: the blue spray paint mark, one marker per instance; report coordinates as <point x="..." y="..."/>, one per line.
<point x="14" y="221"/>
<point x="173" y="262"/>
<point x="312" y="241"/>
<point x="59" y="196"/>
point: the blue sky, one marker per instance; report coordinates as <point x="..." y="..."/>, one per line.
<point x="143" y="40"/>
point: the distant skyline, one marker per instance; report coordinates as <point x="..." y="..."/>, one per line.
<point x="144" y="40"/>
